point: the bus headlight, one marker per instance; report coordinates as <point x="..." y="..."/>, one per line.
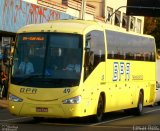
<point x="14" y="98"/>
<point x="74" y="100"/>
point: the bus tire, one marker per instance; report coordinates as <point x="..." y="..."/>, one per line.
<point x="158" y="103"/>
<point x="139" y="109"/>
<point x="100" y="109"/>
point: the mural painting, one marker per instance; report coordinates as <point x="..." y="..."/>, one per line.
<point x="16" y="13"/>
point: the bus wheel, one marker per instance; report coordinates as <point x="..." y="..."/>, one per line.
<point x="100" y="109"/>
<point x="158" y="103"/>
<point x="139" y="109"/>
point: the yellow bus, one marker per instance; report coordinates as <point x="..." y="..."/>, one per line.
<point x="81" y="68"/>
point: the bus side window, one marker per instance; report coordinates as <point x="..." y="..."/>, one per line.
<point x="94" y="51"/>
<point x="87" y="52"/>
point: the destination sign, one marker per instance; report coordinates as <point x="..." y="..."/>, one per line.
<point x="33" y="38"/>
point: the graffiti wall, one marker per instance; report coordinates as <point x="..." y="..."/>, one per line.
<point x="17" y="13"/>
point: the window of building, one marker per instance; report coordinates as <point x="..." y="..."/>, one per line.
<point x="117" y="19"/>
<point x="138" y="27"/>
<point x="132" y="23"/>
<point x="109" y="13"/>
<point x="124" y="21"/>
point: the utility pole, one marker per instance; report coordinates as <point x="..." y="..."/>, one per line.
<point x="128" y="23"/>
<point x="83" y="10"/>
<point x="105" y="9"/>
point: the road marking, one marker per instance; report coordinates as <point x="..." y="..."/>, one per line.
<point x="63" y="124"/>
<point x="151" y="111"/>
<point x="13" y="119"/>
<point x="95" y="124"/>
<point x="108" y="121"/>
<point x="104" y="122"/>
<point x="116" y="126"/>
<point x="80" y="125"/>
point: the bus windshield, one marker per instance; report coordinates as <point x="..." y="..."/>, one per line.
<point x="47" y="60"/>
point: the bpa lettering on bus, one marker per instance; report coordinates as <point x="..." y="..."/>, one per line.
<point x="121" y="69"/>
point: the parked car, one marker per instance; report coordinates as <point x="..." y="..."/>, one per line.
<point x="157" y="100"/>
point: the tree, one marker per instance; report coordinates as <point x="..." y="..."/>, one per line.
<point x="152" y="27"/>
<point x="149" y="24"/>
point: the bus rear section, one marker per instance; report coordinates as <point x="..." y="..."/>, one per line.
<point x="131" y="69"/>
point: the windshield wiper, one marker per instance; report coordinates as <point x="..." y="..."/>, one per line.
<point x="28" y="78"/>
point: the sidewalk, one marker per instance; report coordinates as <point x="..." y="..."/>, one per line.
<point x="3" y="103"/>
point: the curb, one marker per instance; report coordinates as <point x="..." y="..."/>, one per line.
<point x="3" y="103"/>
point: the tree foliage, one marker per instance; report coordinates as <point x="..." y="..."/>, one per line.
<point x="152" y="27"/>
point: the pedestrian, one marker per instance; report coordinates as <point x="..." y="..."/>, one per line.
<point x="3" y="84"/>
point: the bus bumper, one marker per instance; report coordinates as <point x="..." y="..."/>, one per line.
<point x="47" y="110"/>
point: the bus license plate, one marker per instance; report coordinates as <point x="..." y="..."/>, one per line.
<point x="41" y="109"/>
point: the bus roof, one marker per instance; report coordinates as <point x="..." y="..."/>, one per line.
<point x="72" y="26"/>
<point x="68" y="26"/>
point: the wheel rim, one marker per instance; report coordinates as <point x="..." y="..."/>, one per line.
<point x="140" y="103"/>
<point x="140" y="106"/>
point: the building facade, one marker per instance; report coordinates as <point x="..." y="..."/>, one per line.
<point x="100" y="10"/>
<point x="120" y="19"/>
<point x="17" y="13"/>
